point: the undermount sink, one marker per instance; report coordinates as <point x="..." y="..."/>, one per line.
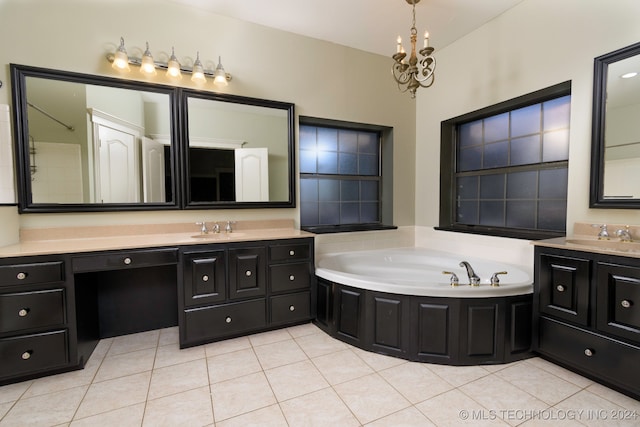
<point x="615" y="245"/>
<point x="218" y="236"/>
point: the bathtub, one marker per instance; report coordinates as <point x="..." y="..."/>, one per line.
<point x="398" y="302"/>
<point x="418" y="271"/>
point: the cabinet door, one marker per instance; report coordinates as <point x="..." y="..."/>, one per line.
<point x="349" y="309"/>
<point x="324" y="303"/>
<point x="618" y="306"/>
<point x="433" y="323"/>
<point x="390" y="321"/>
<point x="204" y="277"/>
<point x="563" y="286"/>
<point x="247" y="272"/>
<point x="481" y="330"/>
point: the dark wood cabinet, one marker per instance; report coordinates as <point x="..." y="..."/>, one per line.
<point x="595" y="329"/>
<point x="204" y="277"/>
<point x="247" y="272"/>
<point x="455" y="331"/>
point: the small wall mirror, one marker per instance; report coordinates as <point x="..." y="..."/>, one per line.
<point x="616" y="130"/>
<point x="90" y="143"/>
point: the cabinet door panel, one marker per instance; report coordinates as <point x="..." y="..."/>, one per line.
<point x="204" y="277"/>
<point x="433" y="329"/>
<point x="618" y="304"/>
<point x="564" y="287"/>
<point x="247" y="272"/>
<point x="390" y="321"/>
<point x="349" y="314"/>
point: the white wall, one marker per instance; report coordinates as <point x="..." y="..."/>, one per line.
<point x="322" y="79"/>
<point x="536" y="44"/>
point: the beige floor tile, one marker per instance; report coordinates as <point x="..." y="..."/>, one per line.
<point x="500" y="366"/>
<point x="415" y="381"/>
<point x="232" y="365"/>
<point x="114" y="394"/>
<point x="615" y="397"/>
<point x="4" y="408"/>
<point x="67" y="380"/>
<point x="190" y="408"/>
<point x="271" y="416"/>
<point x="302" y="330"/>
<point x="321" y="408"/>
<point x="561" y="372"/>
<point x="279" y="354"/>
<point x="370" y="398"/>
<point x="499" y="395"/>
<point x="269" y="337"/>
<point x="547" y="387"/>
<point x="171" y="354"/>
<point x="315" y="345"/>
<point x="594" y="410"/>
<point x="169" y="336"/>
<point x="134" y="342"/>
<point x="295" y="380"/>
<point x="454" y="408"/>
<point x="341" y="367"/>
<point x="129" y="416"/>
<point x="12" y="392"/>
<point x="102" y="348"/>
<point x="227" y="346"/>
<point x="178" y="378"/>
<point x="377" y="361"/>
<point x="458" y="375"/>
<point x="241" y="395"/>
<point x="122" y="365"/>
<point x="46" y="410"/>
<point x="560" y="419"/>
<point x="409" y="417"/>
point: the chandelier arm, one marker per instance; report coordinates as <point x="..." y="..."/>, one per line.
<point x="401" y="77"/>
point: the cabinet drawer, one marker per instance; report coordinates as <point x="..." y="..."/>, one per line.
<point x="124" y="259"/>
<point x="202" y="324"/>
<point x="27" y="310"/>
<point x="287" y="277"/>
<point x="564" y="287"/>
<point x="289" y="252"/>
<point x="26" y="274"/>
<point x="33" y="353"/>
<point x="290" y="308"/>
<point x="612" y="360"/>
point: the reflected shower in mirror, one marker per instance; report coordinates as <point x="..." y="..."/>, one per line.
<point x="616" y="130"/>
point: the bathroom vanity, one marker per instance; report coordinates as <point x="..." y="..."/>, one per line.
<point x="587" y="309"/>
<point x="59" y="298"/>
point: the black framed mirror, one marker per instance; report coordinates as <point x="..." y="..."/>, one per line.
<point x="615" y="153"/>
<point x="92" y="143"/>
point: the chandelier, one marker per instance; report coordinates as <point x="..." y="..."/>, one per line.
<point x="417" y="73"/>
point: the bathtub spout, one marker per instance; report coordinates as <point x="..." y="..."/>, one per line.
<point x="474" y="280"/>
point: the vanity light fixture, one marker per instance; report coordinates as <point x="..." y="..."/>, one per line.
<point x="121" y="60"/>
<point x="416" y="73"/>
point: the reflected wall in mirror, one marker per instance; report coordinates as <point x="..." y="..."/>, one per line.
<point x="90" y="143"/>
<point x="84" y="143"/>
<point x="616" y="130"/>
<point x="239" y="150"/>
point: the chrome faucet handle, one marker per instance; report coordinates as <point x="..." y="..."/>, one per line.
<point x="203" y="224"/>
<point x="215" y="228"/>
<point x="604" y="233"/>
<point x="494" y="279"/>
<point x="228" y="227"/>
<point x="454" y="278"/>
<point x="624" y="234"/>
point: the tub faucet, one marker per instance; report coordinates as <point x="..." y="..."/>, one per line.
<point x="474" y="280"/>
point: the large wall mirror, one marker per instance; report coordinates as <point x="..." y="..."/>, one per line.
<point x="90" y="143"/>
<point x="615" y="158"/>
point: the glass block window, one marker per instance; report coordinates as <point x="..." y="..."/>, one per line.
<point x="509" y="169"/>
<point x="339" y="176"/>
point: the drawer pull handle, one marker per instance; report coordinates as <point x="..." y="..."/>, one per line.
<point x="292" y="252"/>
<point x="292" y="308"/>
<point x="205" y="278"/>
<point x="127" y="261"/>
<point x="21" y="276"/>
<point x="560" y="288"/>
<point x="626" y="303"/>
<point x="23" y="312"/>
<point x="228" y="319"/>
<point x="27" y="355"/>
<point x="292" y="277"/>
<point x="588" y="352"/>
<point x="248" y="273"/>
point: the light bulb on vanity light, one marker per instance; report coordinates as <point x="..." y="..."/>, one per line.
<point x="147" y="66"/>
<point x="173" y="66"/>
<point x="219" y="75"/>
<point x="198" y="71"/>
<point x="121" y="59"/>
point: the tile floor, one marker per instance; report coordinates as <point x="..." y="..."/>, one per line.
<point x="299" y="376"/>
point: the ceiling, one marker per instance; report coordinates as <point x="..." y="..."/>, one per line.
<point x="369" y="25"/>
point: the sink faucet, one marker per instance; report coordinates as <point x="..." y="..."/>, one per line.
<point x="624" y="234"/>
<point x="474" y="280"/>
<point x="203" y="230"/>
<point x="228" y="228"/>
<point x="604" y="233"/>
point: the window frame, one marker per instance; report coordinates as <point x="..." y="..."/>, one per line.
<point x="385" y="168"/>
<point x="448" y="165"/>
